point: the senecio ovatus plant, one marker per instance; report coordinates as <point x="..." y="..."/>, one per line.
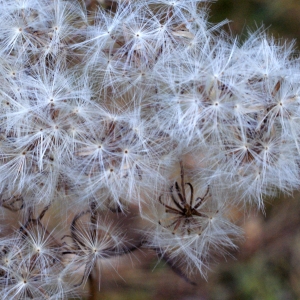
<point x="145" y="107"/>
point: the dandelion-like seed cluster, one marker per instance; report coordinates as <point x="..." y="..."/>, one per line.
<point x="146" y="106"/>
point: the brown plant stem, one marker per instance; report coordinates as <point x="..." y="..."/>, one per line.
<point x="93" y="294"/>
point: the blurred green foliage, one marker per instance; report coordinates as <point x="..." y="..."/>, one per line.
<point x="281" y="17"/>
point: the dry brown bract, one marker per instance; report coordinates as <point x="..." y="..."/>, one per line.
<point x="186" y="216"/>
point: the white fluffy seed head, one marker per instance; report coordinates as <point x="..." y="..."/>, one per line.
<point x="102" y="110"/>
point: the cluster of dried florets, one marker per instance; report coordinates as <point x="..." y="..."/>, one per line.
<point x="148" y="106"/>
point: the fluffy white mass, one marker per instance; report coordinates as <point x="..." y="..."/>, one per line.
<point x="106" y="111"/>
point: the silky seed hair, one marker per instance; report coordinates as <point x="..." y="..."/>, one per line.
<point x="145" y="113"/>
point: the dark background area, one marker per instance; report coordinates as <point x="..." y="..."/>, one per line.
<point x="281" y="17"/>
